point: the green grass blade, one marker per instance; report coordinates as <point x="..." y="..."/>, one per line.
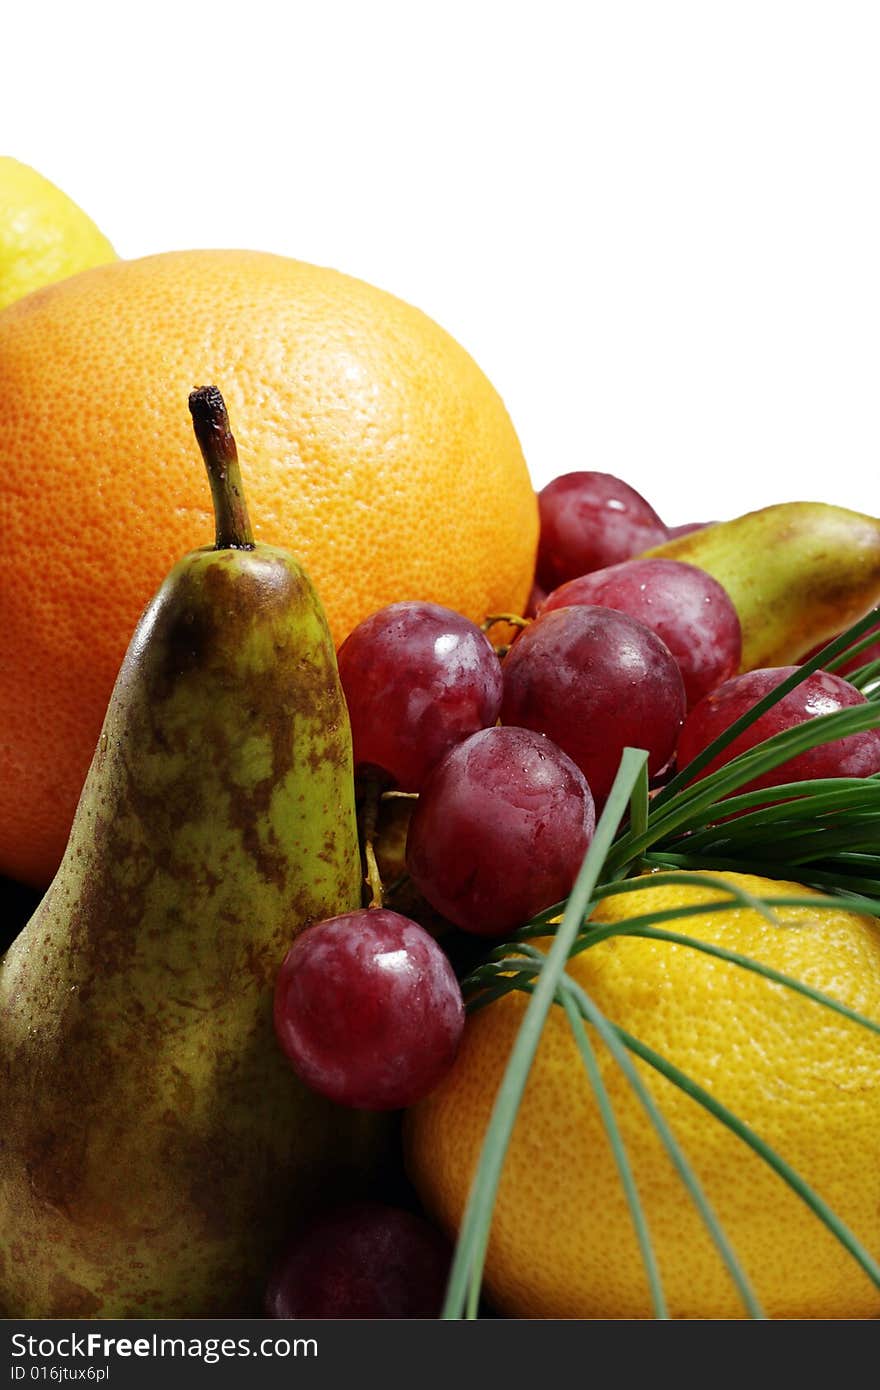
<point x="821" y="877"/>
<point x="825" y="838"/>
<point x="491" y="981"/>
<point x="591" y="934"/>
<point x="655" y="1116"/>
<point x="772" y="752"/>
<point x="738" y="896"/>
<point x="608" y="1033"/>
<point x="855" y="650"/>
<point x="468" y="1260"/>
<point x="865" y="675"/>
<point x="764" y="757"/>
<point x="769" y="754"/>
<point x="828" y="653"/>
<point x="499" y="963"/>
<point x="776" y="977"/>
<point x="821" y="839"/>
<point x="640" y="803"/>
<point x="621" y="1158"/>
<point x="793" y="797"/>
<point x="635" y="927"/>
<point x="757" y="815"/>
<point x="735" y="895"/>
<point x="743" y="1131"/>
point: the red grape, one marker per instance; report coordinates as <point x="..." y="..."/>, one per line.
<point x="536" y="597"/>
<point x="500" y="830"/>
<point x="684" y="605"/>
<point x="588" y="521"/>
<point x="418" y="679"/>
<point x="368" y="1010"/>
<point x="362" y="1261"/>
<point x="821" y="693"/>
<point x="595" y="681"/>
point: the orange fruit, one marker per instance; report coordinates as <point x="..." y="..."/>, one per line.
<point x="371" y="445"/>
<point x="806" y="1079"/>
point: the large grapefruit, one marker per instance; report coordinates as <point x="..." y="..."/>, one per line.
<point x="372" y="445"/>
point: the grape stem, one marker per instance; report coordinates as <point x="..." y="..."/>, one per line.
<point x="369" y="824"/>
<point x="513" y="619"/>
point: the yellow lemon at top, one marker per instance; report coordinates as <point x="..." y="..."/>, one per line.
<point x="804" y="1078"/>
<point x="44" y="236"/>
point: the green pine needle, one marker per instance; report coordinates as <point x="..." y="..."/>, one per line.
<point x="755" y="1142"/>
<point x="840" y="647"/>
<point x="618" y="1149"/>
<point x="610" y="1034"/>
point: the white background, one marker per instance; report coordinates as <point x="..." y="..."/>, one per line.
<point x="655" y="225"/>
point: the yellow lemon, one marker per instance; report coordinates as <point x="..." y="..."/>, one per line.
<point x="44" y="236"/>
<point x="806" y="1079"/>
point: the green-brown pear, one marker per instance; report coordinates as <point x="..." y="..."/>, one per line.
<point x="155" y="1146"/>
<point x="798" y="573"/>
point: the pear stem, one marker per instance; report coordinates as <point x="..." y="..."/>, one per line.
<point x="214" y="438"/>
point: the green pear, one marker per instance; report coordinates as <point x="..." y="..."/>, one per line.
<point x="154" y="1144"/>
<point x="798" y="573"/>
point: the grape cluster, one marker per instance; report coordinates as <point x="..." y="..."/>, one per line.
<point x="417" y="679"/>
<point x="512" y="752"/>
